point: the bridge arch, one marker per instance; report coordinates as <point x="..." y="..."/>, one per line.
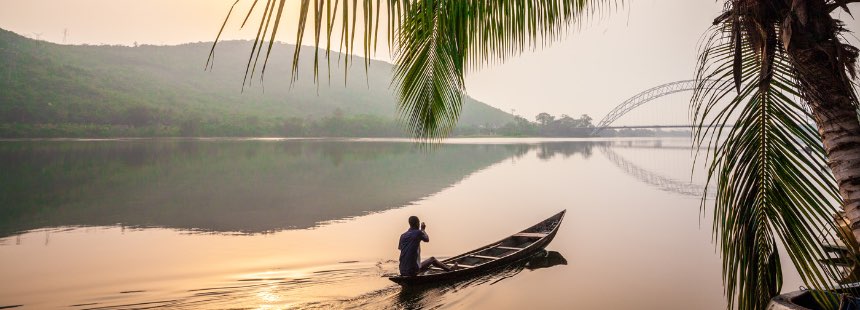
<point x="644" y="97"/>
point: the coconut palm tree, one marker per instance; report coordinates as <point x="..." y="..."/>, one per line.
<point x="783" y="77"/>
<point x="780" y="63"/>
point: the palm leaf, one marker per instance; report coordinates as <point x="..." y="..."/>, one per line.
<point x="440" y="40"/>
<point x="451" y="36"/>
<point x="767" y="167"/>
<point x="429" y="72"/>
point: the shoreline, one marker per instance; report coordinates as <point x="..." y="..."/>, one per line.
<point x="276" y="138"/>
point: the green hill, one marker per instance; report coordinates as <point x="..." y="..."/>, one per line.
<point x="48" y="90"/>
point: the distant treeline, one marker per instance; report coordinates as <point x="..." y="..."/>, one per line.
<point x="146" y="122"/>
<point x="547" y="125"/>
<point x="150" y="122"/>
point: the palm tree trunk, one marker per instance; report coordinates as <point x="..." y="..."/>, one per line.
<point x="816" y="54"/>
<point x="840" y="133"/>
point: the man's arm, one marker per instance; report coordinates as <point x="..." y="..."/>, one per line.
<point x="424" y="235"/>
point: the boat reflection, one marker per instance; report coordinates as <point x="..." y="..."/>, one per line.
<point x="545" y="260"/>
<point x="438" y="295"/>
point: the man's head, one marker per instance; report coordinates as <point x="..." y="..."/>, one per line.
<point x="413" y="221"/>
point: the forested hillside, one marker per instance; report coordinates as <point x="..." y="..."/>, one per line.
<point x="50" y="90"/>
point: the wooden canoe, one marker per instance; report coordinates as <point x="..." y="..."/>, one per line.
<point x="492" y="256"/>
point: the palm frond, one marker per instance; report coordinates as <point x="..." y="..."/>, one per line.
<point x="452" y="36"/>
<point x="500" y="29"/>
<point x="438" y="41"/>
<point x="767" y="167"/>
<point x="429" y="72"/>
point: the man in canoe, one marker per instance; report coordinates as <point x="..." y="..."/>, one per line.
<point x="410" y="250"/>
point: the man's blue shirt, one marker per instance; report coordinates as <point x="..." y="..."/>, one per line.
<point x="410" y="250"/>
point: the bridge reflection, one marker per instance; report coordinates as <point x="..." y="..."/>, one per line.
<point x="549" y="150"/>
<point x="652" y="178"/>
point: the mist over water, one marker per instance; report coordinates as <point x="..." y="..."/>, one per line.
<point x="193" y="224"/>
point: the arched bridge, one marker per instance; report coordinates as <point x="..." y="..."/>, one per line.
<point x="646" y="96"/>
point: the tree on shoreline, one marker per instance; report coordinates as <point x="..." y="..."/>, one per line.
<point x="564" y="126"/>
<point x="777" y="64"/>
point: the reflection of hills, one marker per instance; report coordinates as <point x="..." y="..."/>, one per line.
<point x="222" y="186"/>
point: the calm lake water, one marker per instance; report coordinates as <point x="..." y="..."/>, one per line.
<point x="269" y="224"/>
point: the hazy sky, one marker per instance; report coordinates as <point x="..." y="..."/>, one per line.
<point x="647" y="43"/>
